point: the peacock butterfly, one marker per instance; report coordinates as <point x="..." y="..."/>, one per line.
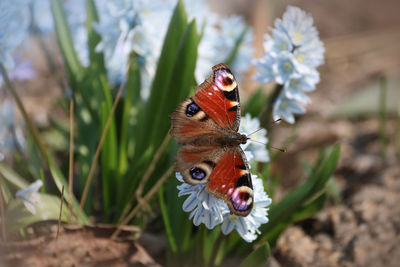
<point x="207" y="125"/>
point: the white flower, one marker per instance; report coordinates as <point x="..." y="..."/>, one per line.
<point x="204" y="207"/>
<point x="14" y="22"/>
<point x="291" y="55"/>
<point x="30" y="196"/>
<point x="76" y="16"/>
<point x="298" y="25"/>
<point x="257" y="149"/>
<point x="140" y="27"/>
<point x="284" y="108"/>
<point x="42" y="17"/>
<point x="247" y="227"/>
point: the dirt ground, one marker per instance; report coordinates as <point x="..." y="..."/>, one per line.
<point x="363" y="228"/>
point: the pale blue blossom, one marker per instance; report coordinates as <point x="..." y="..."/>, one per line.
<point x="14" y="23"/>
<point x="211" y="211"/>
<point x="204" y="207"/>
<point x="76" y="17"/>
<point x="219" y="40"/>
<point x="30" y="196"/>
<point x="285" y="108"/>
<point x="298" y="25"/>
<point x="42" y="16"/>
<point x="292" y="52"/>
<point x="140" y="27"/>
<point x="247" y="227"/>
<point x="256" y="145"/>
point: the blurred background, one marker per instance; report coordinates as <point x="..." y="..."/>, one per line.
<point x="356" y="105"/>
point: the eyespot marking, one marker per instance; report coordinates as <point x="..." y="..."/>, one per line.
<point x="197" y="173"/>
<point x="192" y="109"/>
<point x="225" y="80"/>
<point x="242" y="198"/>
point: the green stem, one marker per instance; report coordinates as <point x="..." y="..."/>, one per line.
<point x="215" y="249"/>
<point x="383" y="117"/>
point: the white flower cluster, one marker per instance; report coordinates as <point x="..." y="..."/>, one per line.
<point x="293" y="51"/>
<point x="14" y="24"/>
<point x="140" y="26"/>
<point x="211" y="211"/>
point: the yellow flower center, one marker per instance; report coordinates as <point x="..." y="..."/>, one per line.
<point x="301" y="57"/>
<point x="298" y="36"/>
<point x="233" y="218"/>
<point x="285" y="105"/>
<point x="287" y="66"/>
<point x="294" y="82"/>
<point x="282" y="46"/>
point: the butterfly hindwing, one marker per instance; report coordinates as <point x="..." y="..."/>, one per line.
<point x="196" y="163"/>
<point x="231" y="181"/>
<point x="224" y="171"/>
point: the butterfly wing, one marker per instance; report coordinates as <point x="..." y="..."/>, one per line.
<point x="214" y="108"/>
<point x="231" y="181"/>
<point x="201" y="123"/>
<point x="225" y="172"/>
<point x="218" y="97"/>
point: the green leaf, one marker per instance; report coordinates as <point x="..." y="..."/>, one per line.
<point x="65" y="40"/>
<point x="309" y="209"/>
<point x="167" y="221"/>
<point x="322" y="171"/>
<point x="180" y="82"/>
<point x="12" y="177"/>
<point x="255" y="103"/>
<point x="161" y="79"/>
<point x="109" y="152"/>
<point x="60" y="181"/>
<point x="259" y="257"/>
<point x="96" y="58"/>
<point x="47" y="208"/>
<point x="131" y="106"/>
<point x="231" y="58"/>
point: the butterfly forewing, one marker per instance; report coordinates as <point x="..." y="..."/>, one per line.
<point x="218" y="97"/>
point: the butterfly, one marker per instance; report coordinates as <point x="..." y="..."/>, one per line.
<point x="207" y="125"/>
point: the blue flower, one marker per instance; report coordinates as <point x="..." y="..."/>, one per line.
<point x="30" y="196"/>
<point x="14" y="23"/>
<point x="284" y="108"/>
<point x="76" y="16"/>
<point x="140" y="27"/>
<point x="204" y="207"/>
<point x="42" y="17"/>
<point x="292" y="52"/>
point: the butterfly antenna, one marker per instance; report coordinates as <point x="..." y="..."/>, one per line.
<point x="279" y="149"/>
<point x="254" y="132"/>
<point x="255" y="141"/>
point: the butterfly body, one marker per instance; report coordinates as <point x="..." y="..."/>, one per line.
<point x="207" y="124"/>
